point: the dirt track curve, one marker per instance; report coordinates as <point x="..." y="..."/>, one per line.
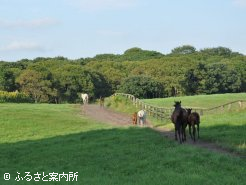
<point x="105" y="115"/>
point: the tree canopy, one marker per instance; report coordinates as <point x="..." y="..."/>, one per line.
<point x="185" y="49"/>
<point x="146" y="74"/>
<point x="142" y="87"/>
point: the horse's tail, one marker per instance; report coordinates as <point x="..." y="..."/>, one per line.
<point x="198" y="118"/>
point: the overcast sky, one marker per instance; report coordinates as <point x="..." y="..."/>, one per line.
<point x="84" y="28"/>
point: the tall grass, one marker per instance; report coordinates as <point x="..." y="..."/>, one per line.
<point x="121" y="104"/>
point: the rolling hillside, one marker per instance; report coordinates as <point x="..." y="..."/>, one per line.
<point x="199" y="101"/>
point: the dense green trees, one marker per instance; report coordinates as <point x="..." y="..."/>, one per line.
<point x="70" y="80"/>
<point x="186" y="49"/>
<point x="212" y="78"/>
<point x="33" y="83"/>
<point x="219" y="51"/>
<point x="7" y="80"/>
<point x="142" y="87"/>
<point x="144" y="73"/>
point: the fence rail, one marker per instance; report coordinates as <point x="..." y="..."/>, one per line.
<point x="165" y="113"/>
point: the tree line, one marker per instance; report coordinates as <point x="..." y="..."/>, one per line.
<point x="143" y="73"/>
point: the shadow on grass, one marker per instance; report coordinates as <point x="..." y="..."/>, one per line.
<point x="227" y="136"/>
<point x="118" y="156"/>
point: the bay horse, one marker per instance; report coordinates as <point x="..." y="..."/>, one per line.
<point x="179" y="119"/>
<point x="193" y="119"/>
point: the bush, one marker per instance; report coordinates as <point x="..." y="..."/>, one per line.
<point x="142" y="87"/>
<point x="14" y="97"/>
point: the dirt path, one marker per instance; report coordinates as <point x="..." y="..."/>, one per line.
<point x="105" y="115"/>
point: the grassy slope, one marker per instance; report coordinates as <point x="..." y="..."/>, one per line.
<point x="226" y="129"/>
<point x="31" y="121"/>
<point x="120" y="104"/>
<point x="47" y="138"/>
<point x="199" y="101"/>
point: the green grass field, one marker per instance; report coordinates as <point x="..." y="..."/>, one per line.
<point x="199" y="101"/>
<point x="57" y="138"/>
<point x="20" y="122"/>
<point x="227" y="130"/>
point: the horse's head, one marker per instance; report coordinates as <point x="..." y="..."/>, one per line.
<point x="189" y="111"/>
<point x="177" y="104"/>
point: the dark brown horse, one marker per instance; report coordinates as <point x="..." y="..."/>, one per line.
<point x="179" y="118"/>
<point x="193" y="119"/>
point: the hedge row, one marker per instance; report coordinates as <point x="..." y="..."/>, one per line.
<point x="14" y="97"/>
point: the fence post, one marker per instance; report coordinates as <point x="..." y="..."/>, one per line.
<point x="222" y="108"/>
<point x="229" y="106"/>
<point x="240" y="104"/>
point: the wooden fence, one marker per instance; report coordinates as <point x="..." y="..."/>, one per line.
<point x="165" y="113"/>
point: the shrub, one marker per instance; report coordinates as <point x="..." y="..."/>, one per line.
<point x="14" y="97"/>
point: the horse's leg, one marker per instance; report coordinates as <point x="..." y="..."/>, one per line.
<point x="179" y="128"/>
<point x="184" y="131"/>
<point x="176" y="138"/>
<point x="180" y="134"/>
<point x="198" y="130"/>
<point x="194" y="132"/>
<point x="190" y="131"/>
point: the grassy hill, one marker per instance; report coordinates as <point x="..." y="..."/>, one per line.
<point x="199" y="101"/>
<point x="58" y="138"/>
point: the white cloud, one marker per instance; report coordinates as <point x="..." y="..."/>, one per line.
<point x="240" y="3"/>
<point x="97" y="5"/>
<point x="36" y="23"/>
<point x="23" y="46"/>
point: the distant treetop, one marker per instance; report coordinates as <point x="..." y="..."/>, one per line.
<point x="185" y="49"/>
<point x="133" y="50"/>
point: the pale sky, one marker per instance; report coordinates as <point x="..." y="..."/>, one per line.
<point x="83" y="28"/>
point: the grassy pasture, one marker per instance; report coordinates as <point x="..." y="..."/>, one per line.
<point x="227" y="130"/>
<point x="20" y="122"/>
<point x="57" y="138"/>
<point x="198" y="101"/>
